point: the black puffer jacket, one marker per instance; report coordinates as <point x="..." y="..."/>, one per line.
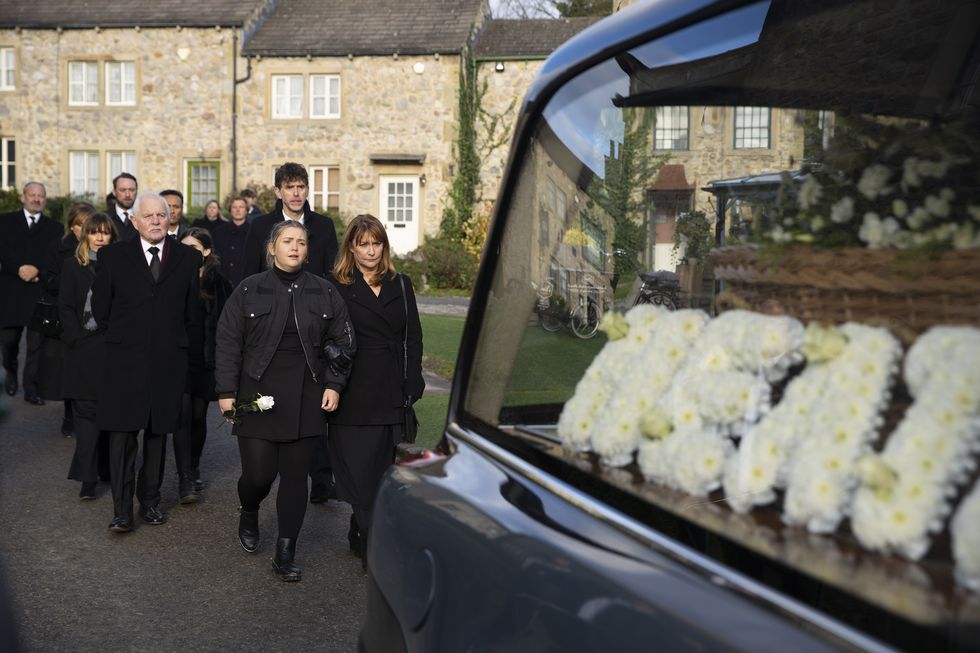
<point x="253" y="319"/>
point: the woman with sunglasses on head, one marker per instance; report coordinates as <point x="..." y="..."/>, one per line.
<point x="84" y="347"/>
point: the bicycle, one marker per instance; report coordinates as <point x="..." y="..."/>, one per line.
<point x="659" y="288"/>
<point x="583" y="320"/>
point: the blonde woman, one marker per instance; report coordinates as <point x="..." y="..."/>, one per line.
<point x="84" y="347"/>
<point x="284" y="334"/>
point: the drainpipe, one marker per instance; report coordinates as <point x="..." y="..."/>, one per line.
<point x="234" y="108"/>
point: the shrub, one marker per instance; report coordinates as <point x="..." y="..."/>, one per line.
<point x="448" y="264"/>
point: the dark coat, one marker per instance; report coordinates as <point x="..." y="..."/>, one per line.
<point x="229" y="242"/>
<point x="125" y="231"/>
<point x="148" y="326"/>
<point x="200" y="375"/>
<point x="54" y="259"/>
<point x="210" y="225"/>
<point x="84" y="354"/>
<point x="19" y="246"/>
<point x="374" y="391"/>
<point x="252" y="324"/>
<point x="322" y="241"/>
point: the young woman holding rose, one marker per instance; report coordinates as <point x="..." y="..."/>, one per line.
<point x="283" y="333"/>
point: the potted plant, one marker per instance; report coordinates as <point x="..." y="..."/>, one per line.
<point x="693" y="239"/>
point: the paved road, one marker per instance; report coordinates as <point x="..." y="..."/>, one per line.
<point x="443" y="305"/>
<point x="183" y="586"/>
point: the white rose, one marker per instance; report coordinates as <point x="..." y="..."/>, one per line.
<point x="842" y="210"/>
<point x="265" y="402"/>
<point x="900" y="208"/>
<point x="872" y="231"/>
<point x="964" y="238"/>
<point x="917" y="218"/>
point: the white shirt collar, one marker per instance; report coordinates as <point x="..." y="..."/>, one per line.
<point x="122" y="213"/>
<point x="30" y="216"/>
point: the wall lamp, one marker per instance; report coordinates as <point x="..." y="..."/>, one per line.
<point x="422" y="179"/>
<point x="499" y="67"/>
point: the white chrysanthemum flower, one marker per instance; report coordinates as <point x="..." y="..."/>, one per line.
<point x="900" y="208"/>
<point x="842" y="210"/>
<point x="937" y="206"/>
<point x="965" y="531"/>
<point x="810" y="192"/>
<point x="873" y="181"/>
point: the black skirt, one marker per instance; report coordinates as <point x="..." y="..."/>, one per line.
<point x="296" y="414"/>
<point x="360" y="455"/>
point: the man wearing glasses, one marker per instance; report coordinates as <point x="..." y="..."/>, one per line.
<point x="144" y="297"/>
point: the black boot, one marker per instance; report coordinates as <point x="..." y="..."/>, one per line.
<point x="354" y="537"/>
<point x="282" y="561"/>
<point x="364" y="550"/>
<point x="248" y="530"/>
<point x="185" y="490"/>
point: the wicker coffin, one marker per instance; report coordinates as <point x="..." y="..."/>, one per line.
<point x="904" y="291"/>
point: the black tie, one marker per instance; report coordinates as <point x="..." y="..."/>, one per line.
<point x="155" y="262"/>
<point x="33" y="219"/>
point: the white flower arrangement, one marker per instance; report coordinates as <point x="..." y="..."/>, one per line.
<point x="822" y="468"/>
<point x="965" y="529"/>
<point x="722" y="387"/>
<point x="906" y="492"/>
<point x="659" y="344"/>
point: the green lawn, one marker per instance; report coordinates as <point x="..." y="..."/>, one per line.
<point x="549" y="365"/>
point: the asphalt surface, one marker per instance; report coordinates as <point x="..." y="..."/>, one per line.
<point x="184" y="586"/>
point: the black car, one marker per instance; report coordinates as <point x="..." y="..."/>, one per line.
<point x="514" y="536"/>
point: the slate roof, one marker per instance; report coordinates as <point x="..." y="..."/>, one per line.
<point x="531" y="38"/>
<point x="365" y="27"/>
<point x="116" y="13"/>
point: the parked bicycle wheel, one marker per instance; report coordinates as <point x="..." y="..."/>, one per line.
<point x="585" y="321"/>
<point x="549" y="321"/>
<point x="657" y="299"/>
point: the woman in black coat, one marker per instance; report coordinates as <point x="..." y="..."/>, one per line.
<point x="52" y="349"/>
<point x="368" y="425"/>
<point x="84" y="347"/>
<point x="190" y="437"/>
<point x="284" y="334"/>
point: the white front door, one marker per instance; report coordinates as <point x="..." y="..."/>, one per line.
<point x="400" y="211"/>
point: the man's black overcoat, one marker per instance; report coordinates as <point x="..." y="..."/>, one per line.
<point x="19" y="246"/>
<point x="322" y="244"/>
<point x="148" y="326"/>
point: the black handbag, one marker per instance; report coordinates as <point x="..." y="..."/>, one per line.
<point x="45" y="319"/>
<point x="410" y="423"/>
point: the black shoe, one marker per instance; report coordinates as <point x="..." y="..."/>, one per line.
<point x="33" y="399"/>
<point x="354" y="538"/>
<point x="196" y="480"/>
<point x="121" y="524"/>
<point x="67" y="428"/>
<point x="186" y="491"/>
<point x="248" y="530"/>
<point x="282" y="561"/>
<point x="87" y="493"/>
<point x="153" y="516"/>
<point x="10" y="383"/>
<point x="323" y="493"/>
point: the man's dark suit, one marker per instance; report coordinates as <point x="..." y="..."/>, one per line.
<point x="20" y="245"/>
<point x="126" y="230"/>
<point x="322" y="245"/>
<point x="320" y="258"/>
<point x="147" y="325"/>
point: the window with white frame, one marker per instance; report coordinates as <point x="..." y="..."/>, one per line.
<point x="83" y="83"/>
<point x="83" y="171"/>
<point x="287" y="96"/>
<point x="120" y="83"/>
<point x="7" y="69"/>
<point x="325" y="188"/>
<point x="324" y="96"/>
<point x="119" y="162"/>
<point x="671" y="128"/>
<point x="8" y="163"/>
<point x="752" y="127"/>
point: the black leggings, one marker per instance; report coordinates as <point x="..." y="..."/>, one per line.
<point x="191" y="434"/>
<point x="262" y="460"/>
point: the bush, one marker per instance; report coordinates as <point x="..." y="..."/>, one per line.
<point x="448" y="264"/>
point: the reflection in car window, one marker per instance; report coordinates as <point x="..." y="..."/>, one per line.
<point x="778" y="386"/>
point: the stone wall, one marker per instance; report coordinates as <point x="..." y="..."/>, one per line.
<point x="182" y="111"/>
<point x="504" y="96"/>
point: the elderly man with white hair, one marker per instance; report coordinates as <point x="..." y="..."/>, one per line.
<point x="144" y="297"/>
